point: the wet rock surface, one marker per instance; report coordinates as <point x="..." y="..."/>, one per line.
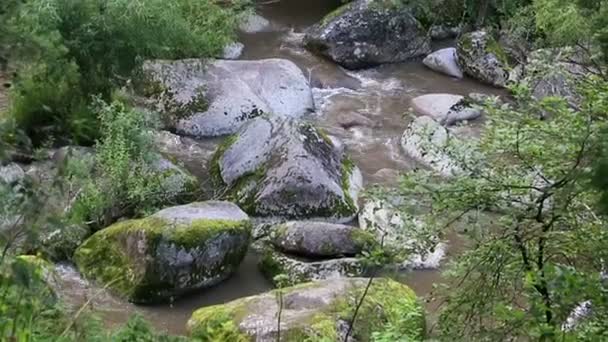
<point x="365" y="33"/>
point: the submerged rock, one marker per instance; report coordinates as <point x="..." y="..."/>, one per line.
<point x="366" y="33"/>
<point x="447" y="109"/>
<point x="428" y="142"/>
<point x="319" y="311"/>
<point x="233" y="50"/>
<point x="276" y="167"/>
<point x="445" y="62"/>
<point x="482" y="58"/>
<point x="168" y="254"/>
<point x="211" y="98"/>
<point x="254" y="23"/>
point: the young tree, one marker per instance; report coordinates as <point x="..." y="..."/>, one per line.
<point x="537" y="244"/>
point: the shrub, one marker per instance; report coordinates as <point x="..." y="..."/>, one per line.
<point x="124" y="178"/>
<point x="68" y="51"/>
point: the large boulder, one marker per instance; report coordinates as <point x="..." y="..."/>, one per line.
<point x="365" y="33"/>
<point x="428" y="142"/>
<point x="254" y="23"/>
<point x="318" y="311"/>
<point x="201" y="98"/>
<point x="276" y="167"/>
<point x="447" y="109"/>
<point x="444" y="61"/>
<point x="482" y="58"/>
<point x="175" y="251"/>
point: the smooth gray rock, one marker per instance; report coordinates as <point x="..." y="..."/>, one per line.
<point x="211" y="98"/>
<point x="482" y="58"/>
<point x="173" y="252"/>
<point x="366" y="33"/>
<point x="254" y="23"/>
<point x="287" y="168"/>
<point x="427" y="141"/>
<point x="318" y="239"/>
<point x="445" y="62"/>
<point x="447" y="109"/>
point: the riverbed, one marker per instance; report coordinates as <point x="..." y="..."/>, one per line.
<point x="368" y="110"/>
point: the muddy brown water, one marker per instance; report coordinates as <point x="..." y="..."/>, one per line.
<point x="368" y="110"/>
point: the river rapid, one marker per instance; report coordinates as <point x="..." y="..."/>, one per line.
<point x="368" y="110"/>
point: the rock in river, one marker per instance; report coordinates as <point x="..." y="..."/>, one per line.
<point x="482" y="58"/>
<point x="444" y="61"/>
<point x="447" y="109"/>
<point x="366" y="33"/>
<point x="201" y="98"/>
<point x="170" y="253"/>
<point x="319" y="311"/>
<point x="428" y="142"/>
<point x="310" y="250"/>
<point x="275" y="167"/>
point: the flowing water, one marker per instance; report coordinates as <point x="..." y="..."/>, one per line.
<point x="367" y="109"/>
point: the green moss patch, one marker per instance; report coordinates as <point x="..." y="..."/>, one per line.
<point x="124" y="255"/>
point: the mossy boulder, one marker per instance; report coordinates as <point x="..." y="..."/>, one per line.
<point x="319" y="311"/>
<point x="366" y="33"/>
<point x="482" y="58"/>
<point x="175" y="251"/>
<point x="208" y="98"/>
<point x="276" y="167"/>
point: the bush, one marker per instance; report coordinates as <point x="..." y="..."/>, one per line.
<point x="68" y="51"/>
<point x="124" y="178"/>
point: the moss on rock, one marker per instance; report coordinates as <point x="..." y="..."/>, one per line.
<point x="145" y="260"/>
<point x="317" y="312"/>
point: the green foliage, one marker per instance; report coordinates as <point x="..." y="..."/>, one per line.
<point x="524" y="197"/>
<point x="125" y="178"/>
<point x="68" y="51"/>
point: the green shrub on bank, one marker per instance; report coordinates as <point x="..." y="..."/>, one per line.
<point x="124" y="178"/>
<point x="67" y="51"/>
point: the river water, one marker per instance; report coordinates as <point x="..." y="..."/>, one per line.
<point x="368" y="110"/>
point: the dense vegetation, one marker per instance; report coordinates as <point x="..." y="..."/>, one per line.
<point x="534" y="194"/>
